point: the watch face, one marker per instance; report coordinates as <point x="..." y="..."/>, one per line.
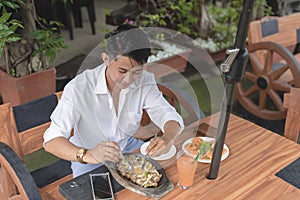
<point x="81" y="151"/>
<point x="80" y="154"/>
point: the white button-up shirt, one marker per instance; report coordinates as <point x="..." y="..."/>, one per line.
<point x="87" y="106"/>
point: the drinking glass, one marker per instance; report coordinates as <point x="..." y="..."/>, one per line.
<point x="186" y="168"/>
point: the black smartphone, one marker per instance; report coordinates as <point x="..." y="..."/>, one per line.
<point x="101" y="186"/>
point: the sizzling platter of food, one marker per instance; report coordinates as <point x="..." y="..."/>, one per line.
<point x="151" y="182"/>
<point x="204" y="144"/>
<point x="149" y="176"/>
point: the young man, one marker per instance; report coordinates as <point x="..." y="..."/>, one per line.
<point x="104" y="107"/>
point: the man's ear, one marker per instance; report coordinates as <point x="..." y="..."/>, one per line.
<point x="105" y="58"/>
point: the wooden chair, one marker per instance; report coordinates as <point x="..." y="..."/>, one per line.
<point x="22" y="128"/>
<point x="274" y="54"/>
<point x="292" y="123"/>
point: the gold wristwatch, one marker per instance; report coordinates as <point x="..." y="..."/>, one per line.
<point x="80" y="154"/>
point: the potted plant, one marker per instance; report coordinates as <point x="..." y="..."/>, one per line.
<point x="184" y="16"/>
<point x="180" y="15"/>
<point x="28" y="44"/>
<point x="213" y="24"/>
<point x="222" y="21"/>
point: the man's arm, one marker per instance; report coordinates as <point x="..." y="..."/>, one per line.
<point x="63" y="148"/>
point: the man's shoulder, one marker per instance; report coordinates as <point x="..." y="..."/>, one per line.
<point x="88" y="76"/>
<point x="86" y="79"/>
<point x="93" y="72"/>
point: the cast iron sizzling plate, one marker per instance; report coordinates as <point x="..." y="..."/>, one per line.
<point x="164" y="185"/>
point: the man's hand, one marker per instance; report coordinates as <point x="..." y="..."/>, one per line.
<point x="105" y="151"/>
<point x="159" y="146"/>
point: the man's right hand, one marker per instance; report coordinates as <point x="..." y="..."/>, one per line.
<point x="105" y="151"/>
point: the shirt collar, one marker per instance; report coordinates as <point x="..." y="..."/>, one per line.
<point x="101" y="86"/>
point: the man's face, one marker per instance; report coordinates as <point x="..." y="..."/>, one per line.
<point x="122" y="71"/>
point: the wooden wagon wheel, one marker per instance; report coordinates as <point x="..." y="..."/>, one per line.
<point x="273" y="71"/>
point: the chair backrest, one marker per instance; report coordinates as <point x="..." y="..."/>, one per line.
<point x="283" y="30"/>
<point x="292" y="123"/>
<point x="22" y="131"/>
<point x="32" y="119"/>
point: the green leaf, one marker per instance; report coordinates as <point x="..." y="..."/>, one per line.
<point x="5" y="17"/>
<point x="14" y="39"/>
<point x="50" y="42"/>
<point x="14" y="26"/>
<point x="54" y="22"/>
<point x="10" y="4"/>
<point x="5" y="33"/>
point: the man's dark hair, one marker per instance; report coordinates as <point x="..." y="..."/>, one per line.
<point x="128" y="40"/>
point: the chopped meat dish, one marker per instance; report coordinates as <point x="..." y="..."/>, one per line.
<point x="147" y="177"/>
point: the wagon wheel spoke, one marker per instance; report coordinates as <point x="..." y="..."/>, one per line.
<point x="281" y="86"/>
<point x="262" y="99"/>
<point x="268" y="62"/>
<point x="277" y="73"/>
<point x="252" y="77"/>
<point x="276" y="99"/>
<point x="256" y="65"/>
<point x="251" y="90"/>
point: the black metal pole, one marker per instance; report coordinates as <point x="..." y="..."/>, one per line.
<point x="231" y="77"/>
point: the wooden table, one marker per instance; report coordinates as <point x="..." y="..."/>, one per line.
<point x="256" y="155"/>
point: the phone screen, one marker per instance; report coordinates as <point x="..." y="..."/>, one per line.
<point x="101" y="186"/>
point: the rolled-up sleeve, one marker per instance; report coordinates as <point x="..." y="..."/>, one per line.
<point x="63" y="119"/>
<point x="159" y="110"/>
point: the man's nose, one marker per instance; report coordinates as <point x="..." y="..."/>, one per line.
<point x="128" y="77"/>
